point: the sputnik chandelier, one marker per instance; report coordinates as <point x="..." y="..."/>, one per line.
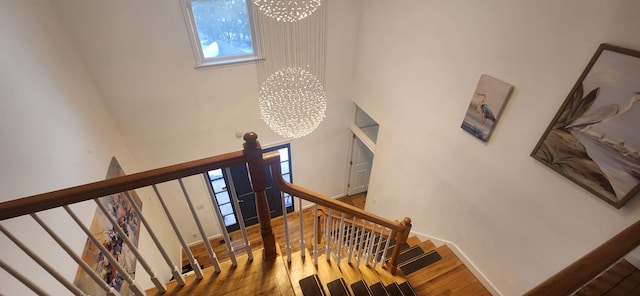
<point x="287" y="11"/>
<point x="291" y="97"/>
<point x="292" y="102"/>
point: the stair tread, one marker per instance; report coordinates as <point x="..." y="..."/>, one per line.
<point x="393" y="289"/>
<point x="311" y="286"/>
<point x="407" y="289"/>
<point x="427" y="246"/>
<point x="378" y="289"/>
<point x="419" y="262"/>
<point x="409" y="254"/>
<point x="360" y="288"/>
<point x="413" y="241"/>
<point x="448" y="262"/>
<point x="338" y="288"/>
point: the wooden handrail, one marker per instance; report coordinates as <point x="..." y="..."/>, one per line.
<point x="589" y="266"/>
<point x="273" y="160"/>
<point x="45" y="201"/>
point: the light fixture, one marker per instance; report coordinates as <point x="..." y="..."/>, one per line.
<point x="292" y="102"/>
<point x="287" y="11"/>
<point x="291" y="77"/>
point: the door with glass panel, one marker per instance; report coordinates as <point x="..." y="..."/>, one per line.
<point x="238" y="177"/>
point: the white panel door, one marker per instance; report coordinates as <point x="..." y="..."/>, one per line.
<point x="361" y="161"/>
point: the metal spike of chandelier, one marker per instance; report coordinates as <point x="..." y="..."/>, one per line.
<point x="287" y="10"/>
<point x="292" y="102"/>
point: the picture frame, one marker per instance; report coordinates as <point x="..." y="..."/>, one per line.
<point x="484" y="110"/>
<point x="593" y="140"/>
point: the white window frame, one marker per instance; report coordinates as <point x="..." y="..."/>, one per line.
<point x="201" y="61"/>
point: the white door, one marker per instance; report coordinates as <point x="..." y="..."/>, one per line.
<point x="361" y="160"/>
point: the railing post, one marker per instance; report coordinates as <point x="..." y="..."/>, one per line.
<point x="401" y="238"/>
<point x="253" y="153"/>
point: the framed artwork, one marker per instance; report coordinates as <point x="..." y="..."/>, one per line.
<point x="594" y="138"/>
<point x="486" y="105"/>
<point x="122" y="210"/>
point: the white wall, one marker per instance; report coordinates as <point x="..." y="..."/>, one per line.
<point x="55" y="132"/>
<point x="418" y="64"/>
<point x="139" y="55"/>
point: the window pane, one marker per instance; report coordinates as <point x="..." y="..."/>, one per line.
<point x="284" y="154"/>
<point x="222" y="197"/>
<point x="284" y="166"/>
<point x="223" y="27"/>
<point x="226" y="209"/>
<point x="287" y="177"/>
<point x="288" y="200"/>
<point x="215" y="174"/>
<point x="229" y="220"/>
<point x="219" y="185"/>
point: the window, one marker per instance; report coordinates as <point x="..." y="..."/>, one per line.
<point x="221" y="31"/>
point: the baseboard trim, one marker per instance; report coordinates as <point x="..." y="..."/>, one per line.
<point x="464" y="258"/>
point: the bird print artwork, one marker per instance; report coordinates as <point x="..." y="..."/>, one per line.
<point x="593" y="140"/>
<point x="486" y="105"/>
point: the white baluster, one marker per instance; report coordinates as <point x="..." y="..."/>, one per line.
<point x="302" y="243"/>
<point x="315" y="234"/>
<point x="285" y="220"/>
<point x="377" y="249"/>
<point x="327" y="251"/>
<point x="42" y="263"/>
<point x="203" y="234"/>
<point x="23" y="279"/>
<point x="361" y="241"/>
<point x="225" y="233"/>
<point x="92" y="273"/>
<point x="192" y="261"/>
<point x="236" y="204"/>
<point x="352" y="237"/>
<point x="372" y="241"/>
<point x="177" y="275"/>
<point x="386" y="248"/>
<point x="123" y="273"/>
<point x="341" y="231"/>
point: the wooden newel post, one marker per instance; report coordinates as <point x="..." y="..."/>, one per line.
<point x="401" y="238"/>
<point x="253" y="153"/>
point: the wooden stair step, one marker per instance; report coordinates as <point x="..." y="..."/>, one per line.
<point x="393" y="289"/>
<point x="407" y="289"/>
<point x="419" y="262"/>
<point x="338" y="288"/>
<point x="311" y="286"/>
<point x="360" y="288"/>
<point x="449" y="261"/>
<point x="609" y="279"/>
<point x="413" y="241"/>
<point x="409" y="254"/>
<point x="627" y="286"/>
<point x="378" y="289"/>
<point x="427" y="246"/>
